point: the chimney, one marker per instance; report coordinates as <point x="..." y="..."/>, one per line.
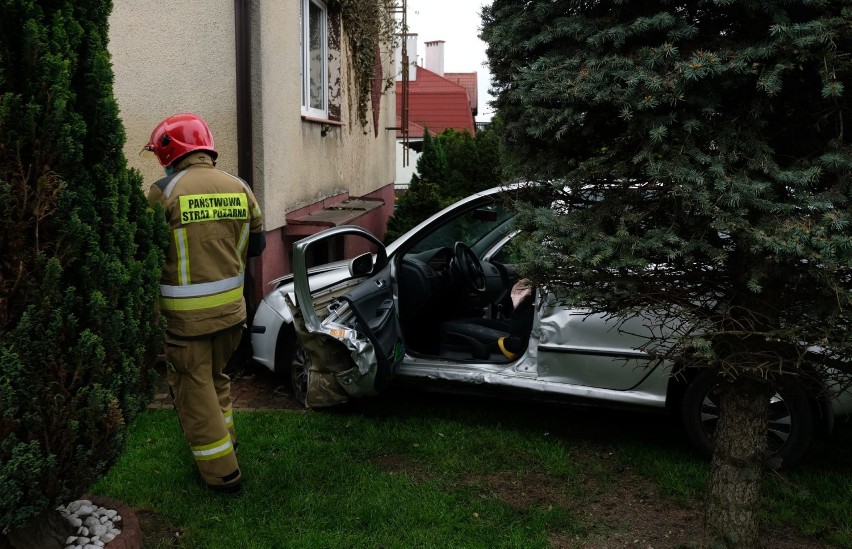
<point x="435" y="56"/>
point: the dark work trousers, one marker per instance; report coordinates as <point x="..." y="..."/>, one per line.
<point x="202" y="398"/>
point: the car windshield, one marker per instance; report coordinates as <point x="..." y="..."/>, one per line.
<point x="471" y="227"/>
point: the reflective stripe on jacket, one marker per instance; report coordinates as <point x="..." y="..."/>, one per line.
<point x="210" y="214"/>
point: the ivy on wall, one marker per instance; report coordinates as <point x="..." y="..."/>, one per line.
<point x="368" y="25"/>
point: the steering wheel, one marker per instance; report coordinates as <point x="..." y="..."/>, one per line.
<point x="468" y="268"/>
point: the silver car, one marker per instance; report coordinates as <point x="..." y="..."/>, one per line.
<point x="435" y="308"/>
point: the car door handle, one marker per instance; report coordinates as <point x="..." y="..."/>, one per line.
<point x="385" y="306"/>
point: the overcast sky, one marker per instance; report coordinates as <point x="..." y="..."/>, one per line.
<point x="457" y="23"/>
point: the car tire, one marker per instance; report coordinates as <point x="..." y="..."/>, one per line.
<point x="791" y="421"/>
<point x="291" y="363"/>
<point x="285" y="347"/>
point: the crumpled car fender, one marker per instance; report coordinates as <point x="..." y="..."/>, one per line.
<point x="342" y="363"/>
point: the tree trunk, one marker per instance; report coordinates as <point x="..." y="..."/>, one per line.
<point x="737" y="469"/>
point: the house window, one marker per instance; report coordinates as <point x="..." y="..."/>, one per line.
<point x="314" y="58"/>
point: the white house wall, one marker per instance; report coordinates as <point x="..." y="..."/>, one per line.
<point x="295" y="164"/>
<point x="404" y="173"/>
<point x="180" y="56"/>
<point x="171" y="57"/>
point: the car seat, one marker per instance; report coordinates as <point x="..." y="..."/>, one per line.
<point x="484" y="337"/>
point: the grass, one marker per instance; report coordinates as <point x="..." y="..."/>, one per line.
<point x="423" y="471"/>
<point x="813" y="499"/>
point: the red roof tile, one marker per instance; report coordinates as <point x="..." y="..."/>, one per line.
<point x="436" y="103"/>
<point x="467" y="80"/>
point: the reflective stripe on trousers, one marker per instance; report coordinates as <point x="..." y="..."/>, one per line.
<point x="214" y="450"/>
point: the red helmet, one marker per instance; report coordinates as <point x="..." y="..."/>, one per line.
<point x="179" y="135"/>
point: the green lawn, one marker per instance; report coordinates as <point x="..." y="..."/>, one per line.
<point x="417" y="470"/>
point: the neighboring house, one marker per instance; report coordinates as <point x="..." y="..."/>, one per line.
<point x="280" y="113"/>
<point x="436" y="101"/>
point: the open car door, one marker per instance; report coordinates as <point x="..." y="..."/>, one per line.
<point x="349" y="329"/>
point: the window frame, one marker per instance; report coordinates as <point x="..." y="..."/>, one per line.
<point x="306" y="107"/>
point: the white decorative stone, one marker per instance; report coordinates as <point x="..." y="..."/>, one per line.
<point x="95" y="525"/>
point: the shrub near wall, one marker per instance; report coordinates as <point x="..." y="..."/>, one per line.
<point x="80" y="257"/>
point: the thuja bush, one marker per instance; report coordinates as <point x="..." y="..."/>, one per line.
<point x="80" y="257"/>
<point x="451" y="166"/>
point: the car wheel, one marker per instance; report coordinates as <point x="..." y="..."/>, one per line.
<point x="284" y="349"/>
<point x="299" y="373"/>
<point x="790" y="418"/>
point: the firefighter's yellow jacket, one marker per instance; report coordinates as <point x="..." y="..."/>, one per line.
<point x="215" y="223"/>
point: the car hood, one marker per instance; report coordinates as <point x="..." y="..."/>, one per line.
<point x="321" y="277"/>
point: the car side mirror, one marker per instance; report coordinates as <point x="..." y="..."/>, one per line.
<point x="361" y="265"/>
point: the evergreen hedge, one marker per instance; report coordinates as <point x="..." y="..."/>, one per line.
<point x="80" y="259"/>
<point x="451" y="166"/>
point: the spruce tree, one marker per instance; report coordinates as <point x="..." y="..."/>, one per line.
<point x="81" y="259"/>
<point x="699" y="154"/>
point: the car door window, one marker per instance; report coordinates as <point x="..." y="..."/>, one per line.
<point x="471" y="227"/>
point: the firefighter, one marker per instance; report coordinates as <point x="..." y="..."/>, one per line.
<point x="215" y="224"/>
